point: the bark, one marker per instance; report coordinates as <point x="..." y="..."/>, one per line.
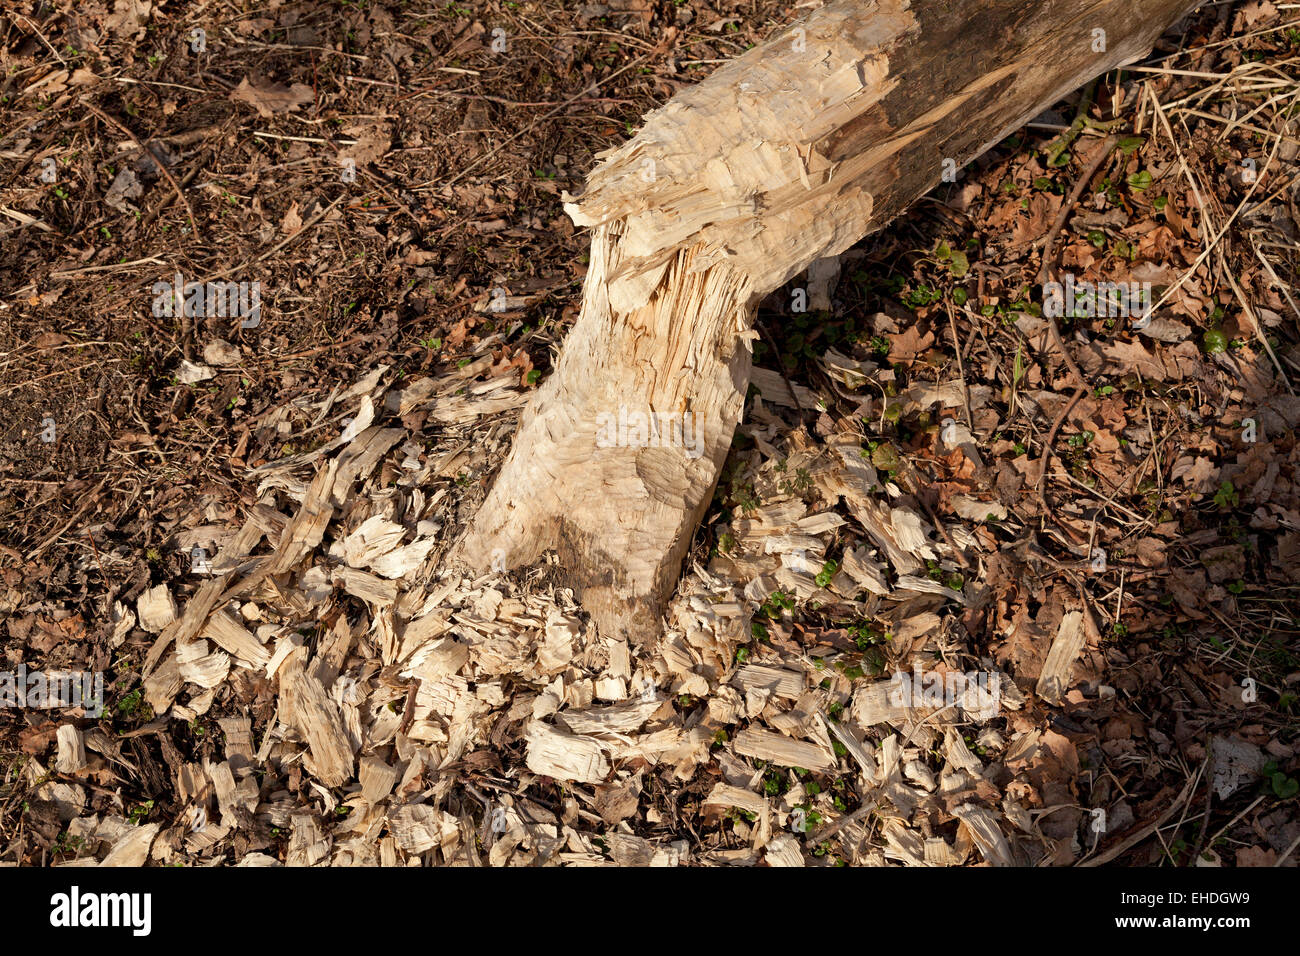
<point x="788" y="154"/>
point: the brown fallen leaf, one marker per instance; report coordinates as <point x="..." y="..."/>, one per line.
<point x="269" y="98"/>
<point x="129" y="17"/>
<point x="373" y="140"/>
<point x="291" y="222"/>
<point x="1043" y="208"/>
<point x="1256" y="856"/>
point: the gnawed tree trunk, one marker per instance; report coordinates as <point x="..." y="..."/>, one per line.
<point x="790" y="153"/>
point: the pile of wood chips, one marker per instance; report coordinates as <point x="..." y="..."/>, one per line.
<point x="402" y="691"/>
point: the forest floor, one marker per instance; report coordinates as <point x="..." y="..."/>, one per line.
<point x="239" y="520"/>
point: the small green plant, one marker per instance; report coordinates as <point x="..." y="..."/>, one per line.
<point x="958" y="263"/>
<point x="1140" y="181"/>
<point x="1131" y="144"/>
<point x="1215" y="342"/>
<point x="776" y="602"/>
<point x="1227" y="496"/>
<point x="851" y="671"/>
<point x="866" y="634"/>
<point x="68" y="845"/>
<point x="133" y="706"/>
<point x="1283" y="787"/>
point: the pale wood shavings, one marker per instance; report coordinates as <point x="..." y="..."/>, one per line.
<point x="155" y="608"/>
<point x="911" y="582"/>
<point x="367" y="587"/>
<point x="418" y="828"/>
<point x="308" y="845"/>
<point x="725" y="795"/>
<point x="783" y="850"/>
<point x="184" y="630"/>
<point x="619" y="718"/>
<point x="866" y="573"/>
<point x="377" y="779"/>
<point x="564" y="756"/>
<point x="71" y="755"/>
<point x="773" y="387"/>
<point x="982" y="825"/>
<point x="131" y="849"/>
<point x="197" y="666"/>
<point x="361" y="457"/>
<point x="1059" y="666"/>
<point x="307" y="708"/>
<point x="903" y="844"/>
<point x="162" y="686"/>
<point x="782" y="751"/>
<point x="231" y="636"/>
<point x="303" y="532"/>
<point x="402" y="561"/>
<point x="372" y="539"/>
<point x="779" y="681"/>
<point x="358" y="424"/>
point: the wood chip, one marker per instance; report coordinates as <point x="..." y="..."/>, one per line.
<point x="620" y="718"/>
<point x="1058" y="669"/>
<point x="305" y="705"/>
<point x="779" y="681"/>
<point x="419" y="827"/>
<point x="563" y="756"/>
<point x="155" y="609"/>
<point x="377" y="779"/>
<point x="132" y="848"/>
<point x="228" y="634"/>
<point x="783" y="751"/>
<point x="72" y="751"/>
<point x="982" y="824"/>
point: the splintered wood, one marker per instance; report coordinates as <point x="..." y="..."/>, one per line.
<point x="777" y="162"/>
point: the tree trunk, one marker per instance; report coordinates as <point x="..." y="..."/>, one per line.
<point x="792" y="152"/>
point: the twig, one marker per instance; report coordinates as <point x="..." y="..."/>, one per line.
<point x="1141" y="834"/>
<point x="158" y="161"/>
<point x="529" y="128"/>
<point x="961" y="366"/>
<point x="1209" y="800"/>
<point x="1049" y="248"/>
<point x="1045" y="270"/>
<point x="780" y="366"/>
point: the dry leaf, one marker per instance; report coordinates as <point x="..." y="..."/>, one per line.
<point x="269" y="98"/>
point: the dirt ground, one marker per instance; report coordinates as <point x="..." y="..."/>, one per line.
<point x="380" y="173"/>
